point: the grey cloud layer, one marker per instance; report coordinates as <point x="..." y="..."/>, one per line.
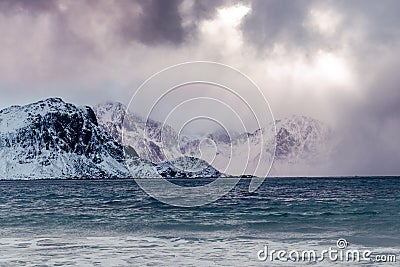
<point x="269" y="22"/>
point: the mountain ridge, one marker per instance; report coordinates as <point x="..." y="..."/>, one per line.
<point x="52" y="139"/>
<point x="301" y="141"/>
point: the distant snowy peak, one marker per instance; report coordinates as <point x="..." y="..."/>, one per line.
<point x="301" y="138"/>
<point x="152" y="140"/>
<point x="16" y="117"/>
<point x="110" y="116"/>
<point x="54" y="139"/>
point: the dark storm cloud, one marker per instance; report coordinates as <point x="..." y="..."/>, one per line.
<point x="372" y="122"/>
<point x="206" y="8"/>
<point x="380" y="18"/>
<point x="369" y="35"/>
<point x="283" y="21"/>
<point x="159" y="22"/>
<point x="35" y="6"/>
<point x="370" y="125"/>
<point x="275" y="21"/>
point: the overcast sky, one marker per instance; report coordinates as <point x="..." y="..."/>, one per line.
<point x="337" y="61"/>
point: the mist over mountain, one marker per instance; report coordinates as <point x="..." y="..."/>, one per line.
<point x="144" y="136"/>
<point x="303" y="145"/>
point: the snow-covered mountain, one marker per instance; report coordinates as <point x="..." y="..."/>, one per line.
<point x="154" y="143"/>
<point x="301" y="138"/>
<point x="158" y="142"/>
<point x="301" y="143"/>
<point x="54" y="139"/>
<point x="304" y="146"/>
<point x="152" y="140"/>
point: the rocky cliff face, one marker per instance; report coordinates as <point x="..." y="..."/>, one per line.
<point x="54" y="139"/>
<point x="152" y="140"/>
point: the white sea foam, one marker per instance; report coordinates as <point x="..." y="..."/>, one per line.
<point x="150" y="251"/>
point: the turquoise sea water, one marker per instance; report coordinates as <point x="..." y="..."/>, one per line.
<point x="115" y="223"/>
